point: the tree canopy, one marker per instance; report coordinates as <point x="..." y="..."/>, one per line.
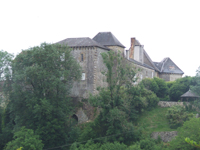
<point x="39" y="99"/>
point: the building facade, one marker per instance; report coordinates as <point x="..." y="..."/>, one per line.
<point x="88" y="51"/>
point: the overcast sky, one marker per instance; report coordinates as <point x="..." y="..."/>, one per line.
<point x="166" y="28"/>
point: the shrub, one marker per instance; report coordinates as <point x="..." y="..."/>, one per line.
<point x="163" y="89"/>
<point x="176" y="116"/>
<point x="190" y="129"/>
<point x="25" y="138"/>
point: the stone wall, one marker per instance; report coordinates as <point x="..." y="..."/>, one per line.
<point x="92" y="66"/>
<point x="169" y="103"/>
<point x="170" y="76"/>
<point x="165" y="136"/>
<point x="82" y="117"/>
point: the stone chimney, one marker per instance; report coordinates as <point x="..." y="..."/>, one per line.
<point x="131" y="52"/>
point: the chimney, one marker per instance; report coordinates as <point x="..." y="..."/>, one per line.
<point x="131" y="52"/>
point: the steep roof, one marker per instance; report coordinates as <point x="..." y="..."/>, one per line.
<point x="107" y="39"/>
<point x="168" y="66"/>
<point x="81" y="42"/>
<point x="189" y="94"/>
<point x="150" y="61"/>
<point x="141" y="64"/>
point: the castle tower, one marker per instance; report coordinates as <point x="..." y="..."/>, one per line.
<point x="110" y="41"/>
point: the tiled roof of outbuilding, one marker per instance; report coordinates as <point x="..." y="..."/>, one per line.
<point x="107" y="39"/>
<point x="168" y="66"/>
<point x="81" y="42"/>
<point x="189" y="94"/>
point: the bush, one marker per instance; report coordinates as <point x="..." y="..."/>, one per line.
<point x="179" y="87"/>
<point x="163" y="89"/>
<point x="150" y="84"/>
<point x="158" y="86"/>
<point x="176" y="116"/>
<point x="90" y="145"/>
<point x="25" y="138"/>
<point x="190" y="129"/>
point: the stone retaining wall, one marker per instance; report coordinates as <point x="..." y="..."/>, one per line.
<point x="165" y="136"/>
<point x="169" y="103"/>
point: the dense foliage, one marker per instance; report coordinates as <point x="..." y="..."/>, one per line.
<point x="180" y="86"/>
<point x="5" y="63"/>
<point x="39" y="99"/>
<point x="190" y="129"/>
<point x="26" y="139"/>
<point x="158" y="86"/>
<point x="177" y="115"/>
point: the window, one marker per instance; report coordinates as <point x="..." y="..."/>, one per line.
<point x="83" y="76"/>
<point x="81" y="57"/>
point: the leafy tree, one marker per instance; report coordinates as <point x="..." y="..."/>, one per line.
<point x="163" y="89"/>
<point x="150" y="84"/>
<point x="5" y="63"/>
<point x="176" y="116"/>
<point x="179" y="87"/>
<point x="196" y="88"/>
<point x="191" y="130"/>
<point x="26" y="139"/>
<point x="193" y="143"/>
<point x="114" y="101"/>
<point x="41" y="83"/>
<point x="90" y="145"/>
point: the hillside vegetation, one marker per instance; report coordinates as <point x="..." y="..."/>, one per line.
<point x="154" y="121"/>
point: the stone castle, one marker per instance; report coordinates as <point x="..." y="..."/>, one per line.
<point x="88" y="51"/>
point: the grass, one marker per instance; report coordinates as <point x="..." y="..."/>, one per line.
<point x="154" y="121"/>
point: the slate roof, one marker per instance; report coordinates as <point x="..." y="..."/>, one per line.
<point x="81" y="42"/>
<point x="147" y="56"/>
<point x="189" y="94"/>
<point x="107" y="39"/>
<point x="168" y="66"/>
<point x="141" y="64"/>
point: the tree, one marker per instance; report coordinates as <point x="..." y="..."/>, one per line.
<point x="5" y="63"/>
<point x="191" y="130"/>
<point x="163" y="90"/>
<point x="179" y="87"/>
<point x="150" y="84"/>
<point x="41" y="83"/>
<point x="26" y="139"/>
<point x="114" y="101"/>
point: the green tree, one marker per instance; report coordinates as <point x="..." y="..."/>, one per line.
<point x="196" y="88"/>
<point x="191" y="130"/>
<point x="179" y="87"/>
<point x="26" y="139"/>
<point x="150" y="84"/>
<point x="114" y="101"/>
<point x="41" y="83"/>
<point x="5" y="63"/>
<point x="163" y="89"/>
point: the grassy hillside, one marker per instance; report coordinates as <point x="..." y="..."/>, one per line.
<point x="154" y="121"/>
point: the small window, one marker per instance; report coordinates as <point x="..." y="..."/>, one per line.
<point x="81" y="57"/>
<point x="83" y="76"/>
